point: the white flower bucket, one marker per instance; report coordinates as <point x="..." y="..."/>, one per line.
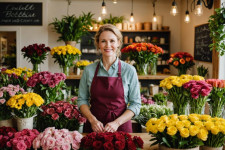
<point x="161" y="147"/>
<point x="25" y="123"/>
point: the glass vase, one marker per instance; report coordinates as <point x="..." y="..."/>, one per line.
<point x="153" y="67"/>
<point x="182" y="71"/>
<point x="142" y="69"/>
<point x="36" y="67"/>
<point x="216" y="110"/>
<point x="197" y="110"/>
<point x="65" y="70"/>
<point x="180" y="109"/>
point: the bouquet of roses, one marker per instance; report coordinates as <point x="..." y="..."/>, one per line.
<point x="178" y="131"/>
<point x="182" y="61"/>
<point x="105" y="141"/>
<point x="23" y="140"/>
<point x="176" y="93"/>
<point x="5" y="94"/>
<point x="48" y="85"/>
<point x="25" y="105"/>
<point x="56" y="139"/>
<point x="82" y="64"/>
<point x="15" y="76"/>
<point x="60" y="115"/>
<point x="142" y="54"/>
<point x="6" y="134"/>
<point x="217" y="97"/>
<point x="198" y="95"/>
<point x="35" y="54"/>
<point x="65" y="55"/>
<point x="151" y="111"/>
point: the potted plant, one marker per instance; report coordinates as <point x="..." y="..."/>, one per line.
<point x="72" y="28"/>
<point x="216" y="26"/>
<point x="115" y="20"/>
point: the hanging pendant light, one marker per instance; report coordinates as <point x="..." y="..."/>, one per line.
<point x="114" y="1"/>
<point x="104" y="11"/>
<point x="174" y="10"/>
<point x="132" y="14"/>
<point x="187" y="16"/>
<point x="154" y="15"/>
<point x="199" y="10"/>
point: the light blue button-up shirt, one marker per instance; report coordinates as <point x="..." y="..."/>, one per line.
<point x="129" y="78"/>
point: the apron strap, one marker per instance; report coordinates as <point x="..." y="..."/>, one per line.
<point x="119" y="69"/>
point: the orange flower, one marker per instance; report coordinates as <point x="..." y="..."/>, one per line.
<point x="144" y="48"/>
<point x="172" y="55"/>
<point x="176" y="63"/>
<point x="138" y="49"/>
<point x="188" y="59"/>
<point x="182" y="61"/>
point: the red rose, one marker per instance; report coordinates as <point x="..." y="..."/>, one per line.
<point x="55" y="116"/>
<point x="119" y="145"/>
<point x="138" y="141"/>
<point x="97" y="145"/>
<point x="108" y="138"/>
<point x="131" y="145"/>
<point x="108" y="146"/>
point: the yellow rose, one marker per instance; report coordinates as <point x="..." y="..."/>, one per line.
<point x="198" y="123"/>
<point x="161" y="127"/>
<point x="222" y="128"/>
<point x="174" y="116"/>
<point x="165" y="118"/>
<point x="171" y="123"/>
<point x="184" y="132"/>
<point x="205" y="117"/>
<point x="153" y="120"/>
<point x="203" y="134"/>
<point x="153" y="129"/>
<point x="148" y="127"/>
<point x="179" y="125"/>
<point x="187" y="123"/>
<point x="183" y="117"/>
<point x="193" y="130"/>
<point x="215" y="130"/>
<point x="171" y="130"/>
<point x="209" y="125"/>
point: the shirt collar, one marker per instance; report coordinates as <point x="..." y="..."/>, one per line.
<point x="114" y="65"/>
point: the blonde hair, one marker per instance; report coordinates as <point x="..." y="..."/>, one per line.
<point x="115" y="31"/>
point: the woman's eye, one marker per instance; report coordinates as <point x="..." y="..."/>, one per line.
<point x="112" y="41"/>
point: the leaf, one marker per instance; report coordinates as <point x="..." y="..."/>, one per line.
<point x="166" y="142"/>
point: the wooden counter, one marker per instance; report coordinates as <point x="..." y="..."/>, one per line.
<point x="145" y="137"/>
<point x="159" y="76"/>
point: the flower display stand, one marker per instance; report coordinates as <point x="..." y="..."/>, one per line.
<point x="161" y="147"/>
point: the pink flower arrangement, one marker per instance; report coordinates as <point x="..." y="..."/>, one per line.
<point x="5" y="94"/>
<point x="23" y="140"/>
<point x="53" y="139"/>
<point x="217" y="97"/>
<point x="199" y="92"/>
<point x="48" y="85"/>
<point x="60" y="115"/>
<point x="6" y="134"/>
<point x="110" y="141"/>
<point x="146" y="101"/>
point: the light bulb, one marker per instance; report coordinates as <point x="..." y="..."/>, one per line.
<point x="131" y="17"/>
<point x="104" y="11"/>
<point x="115" y="1"/>
<point x="199" y="10"/>
<point x="187" y="17"/>
<point x="99" y="18"/>
<point x="154" y="18"/>
<point x="174" y="10"/>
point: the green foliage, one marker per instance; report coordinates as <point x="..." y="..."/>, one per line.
<point x="113" y="20"/>
<point x="216" y="26"/>
<point x="160" y="99"/>
<point x="202" y="71"/>
<point x="72" y="28"/>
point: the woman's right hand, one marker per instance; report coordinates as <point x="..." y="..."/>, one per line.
<point x="97" y="126"/>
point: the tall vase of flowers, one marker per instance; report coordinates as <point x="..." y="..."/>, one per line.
<point x="198" y="92"/>
<point x="48" y="85"/>
<point x="36" y="54"/>
<point x="217" y="97"/>
<point x="143" y="54"/>
<point x="176" y="92"/>
<point x="182" y="61"/>
<point x="65" y="55"/>
<point x="5" y="111"/>
<point x="25" y="107"/>
<point x="81" y="64"/>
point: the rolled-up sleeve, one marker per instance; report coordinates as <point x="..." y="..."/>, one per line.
<point x="134" y="98"/>
<point x="83" y="93"/>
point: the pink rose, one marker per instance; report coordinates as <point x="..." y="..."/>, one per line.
<point x="67" y="113"/>
<point x="55" y="116"/>
<point x="1" y="93"/>
<point x="66" y="147"/>
<point x="50" y="142"/>
<point x="44" y="81"/>
<point x="21" y="145"/>
<point x="194" y="95"/>
<point x="50" y="111"/>
<point x="36" y="143"/>
<point x="31" y="83"/>
<point x="2" y="101"/>
<point x="51" y="84"/>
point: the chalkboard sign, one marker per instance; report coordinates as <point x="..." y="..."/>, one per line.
<point x="202" y="40"/>
<point x="20" y="13"/>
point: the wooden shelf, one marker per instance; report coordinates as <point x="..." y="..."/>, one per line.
<point x="159" y="76"/>
<point x="137" y="30"/>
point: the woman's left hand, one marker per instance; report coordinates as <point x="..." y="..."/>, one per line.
<point x="111" y="126"/>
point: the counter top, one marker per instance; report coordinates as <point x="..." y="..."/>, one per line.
<point x="159" y="76"/>
<point x="146" y="138"/>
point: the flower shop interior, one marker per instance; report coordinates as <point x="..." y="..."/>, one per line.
<point x="188" y="68"/>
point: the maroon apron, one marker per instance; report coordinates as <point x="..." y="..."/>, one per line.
<point x="107" y="100"/>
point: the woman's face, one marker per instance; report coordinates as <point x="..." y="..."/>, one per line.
<point x="108" y="44"/>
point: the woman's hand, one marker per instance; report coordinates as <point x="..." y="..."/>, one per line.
<point x="111" y="126"/>
<point x="97" y="126"/>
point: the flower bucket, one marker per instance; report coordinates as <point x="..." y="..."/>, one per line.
<point x="211" y="148"/>
<point x="6" y="123"/>
<point x="161" y="147"/>
<point x="25" y="123"/>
